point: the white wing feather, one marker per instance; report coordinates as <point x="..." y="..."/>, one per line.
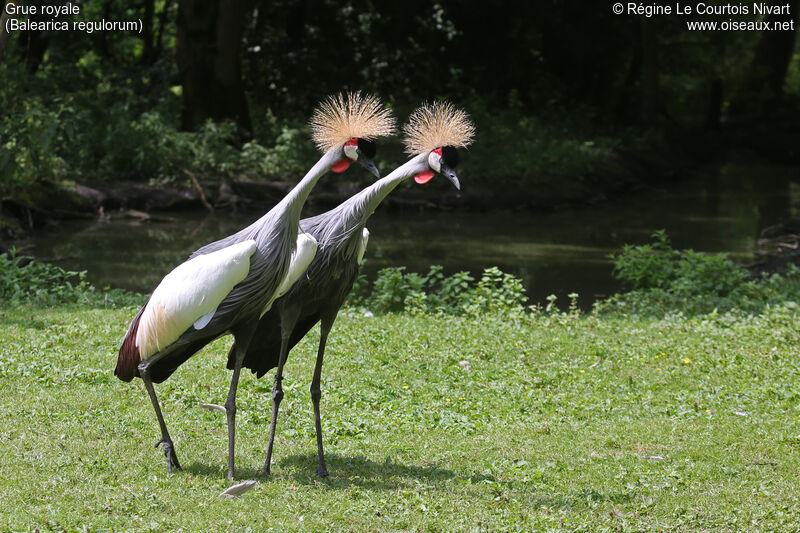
<point x="302" y="256"/>
<point x="363" y="246"/>
<point x="190" y="294"/>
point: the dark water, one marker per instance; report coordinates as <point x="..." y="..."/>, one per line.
<point x="721" y="210"/>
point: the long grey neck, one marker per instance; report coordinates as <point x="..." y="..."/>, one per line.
<point x="292" y="204"/>
<point x="367" y="201"/>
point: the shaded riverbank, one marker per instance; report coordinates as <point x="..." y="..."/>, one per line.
<point x="555" y="252"/>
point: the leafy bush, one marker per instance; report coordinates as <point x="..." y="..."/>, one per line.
<point x="659" y="266"/>
<point x="24" y="280"/>
<point x="26" y="149"/>
<point x="664" y="280"/>
<point x="105" y="129"/>
<point x="397" y="291"/>
<point x="535" y="150"/>
<point x="152" y="148"/>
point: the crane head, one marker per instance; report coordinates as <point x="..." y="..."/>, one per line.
<point x="442" y="160"/>
<point x="437" y="129"/>
<point x="347" y="124"/>
<point x="359" y="150"/>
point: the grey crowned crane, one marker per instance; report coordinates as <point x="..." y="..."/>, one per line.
<point x="227" y="286"/>
<point x="432" y="135"/>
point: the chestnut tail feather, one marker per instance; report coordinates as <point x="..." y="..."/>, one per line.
<point x="129" y="358"/>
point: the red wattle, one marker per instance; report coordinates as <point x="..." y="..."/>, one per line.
<point x="340" y="166"/>
<point x="424" y="177"/>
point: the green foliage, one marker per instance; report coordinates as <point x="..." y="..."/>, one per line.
<point x="393" y="288"/>
<point x="284" y="151"/>
<point x="659" y="266"/>
<point x="548" y="109"/>
<point x="646" y="266"/>
<point x="27" y="148"/>
<point x="105" y="128"/>
<point x="664" y="280"/>
<point x="534" y="150"/>
<point x="397" y="291"/>
<point x="24" y="281"/>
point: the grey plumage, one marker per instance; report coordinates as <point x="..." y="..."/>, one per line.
<point x="331" y="274"/>
<point x="345" y="125"/>
<point x="318" y="296"/>
<point x="275" y="236"/>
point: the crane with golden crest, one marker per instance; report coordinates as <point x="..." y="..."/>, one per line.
<point x="432" y="135"/>
<point x="227" y="286"/>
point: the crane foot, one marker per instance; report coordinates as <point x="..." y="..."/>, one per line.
<point x="322" y="471"/>
<point x="169" y="452"/>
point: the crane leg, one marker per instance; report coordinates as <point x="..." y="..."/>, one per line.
<point x="289" y="315"/>
<point x="242" y="342"/>
<point x="230" y="411"/>
<point x="166" y="441"/>
<point x="277" y="396"/>
<point x="316" y="394"/>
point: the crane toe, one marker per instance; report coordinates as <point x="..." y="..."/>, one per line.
<point x="169" y="452"/>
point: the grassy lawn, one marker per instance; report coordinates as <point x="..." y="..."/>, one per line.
<point x="430" y="423"/>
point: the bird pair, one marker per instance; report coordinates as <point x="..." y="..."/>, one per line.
<point x="271" y="282"/>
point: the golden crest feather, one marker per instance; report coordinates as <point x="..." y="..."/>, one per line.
<point x="339" y="118"/>
<point x="436" y="125"/>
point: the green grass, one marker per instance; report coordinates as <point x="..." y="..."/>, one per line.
<point x="558" y="423"/>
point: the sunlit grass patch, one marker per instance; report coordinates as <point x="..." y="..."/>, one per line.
<point x="548" y="420"/>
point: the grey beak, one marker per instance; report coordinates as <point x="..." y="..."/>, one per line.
<point x="450" y="174"/>
<point x="369" y="165"/>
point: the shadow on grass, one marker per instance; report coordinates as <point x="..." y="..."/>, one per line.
<point x="221" y="471"/>
<point x="359" y="471"/>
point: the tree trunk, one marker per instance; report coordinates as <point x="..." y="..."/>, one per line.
<point x="34" y="46"/>
<point x="3" y="34"/>
<point x="147" y="31"/>
<point x="102" y="38"/>
<point x="763" y="87"/>
<point x="649" y="72"/>
<point x="207" y="53"/>
<point x="715" y="100"/>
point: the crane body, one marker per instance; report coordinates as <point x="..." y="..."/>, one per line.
<point x="226" y="286"/>
<point x="432" y="135"/>
<point x="317" y="297"/>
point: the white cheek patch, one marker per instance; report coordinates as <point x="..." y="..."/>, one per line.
<point x="351" y="151"/>
<point x="435" y="161"/>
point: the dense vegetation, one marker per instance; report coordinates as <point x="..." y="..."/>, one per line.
<point x="661" y="280"/>
<point x="550" y="109"/>
<point x="664" y="281"/>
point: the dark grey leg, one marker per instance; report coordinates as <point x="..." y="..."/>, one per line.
<point x="242" y="337"/>
<point x="277" y="396"/>
<point x="230" y="410"/>
<point x="316" y="394"/>
<point x="166" y="441"/>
